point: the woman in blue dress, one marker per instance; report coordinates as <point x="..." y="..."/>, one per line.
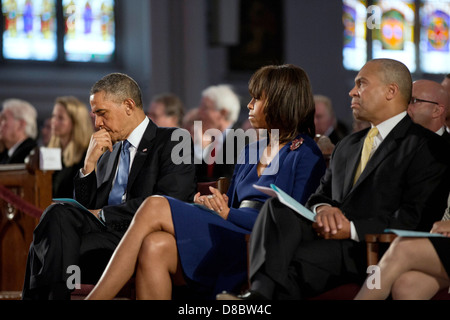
<point x="170" y="242"/>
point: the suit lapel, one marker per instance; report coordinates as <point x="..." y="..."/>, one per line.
<point x="389" y="144"/>
<point x="354" y="156"/>
<point x="141" y="154"/>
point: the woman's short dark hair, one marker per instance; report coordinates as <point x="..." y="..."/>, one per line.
<point x="289" y="99"/>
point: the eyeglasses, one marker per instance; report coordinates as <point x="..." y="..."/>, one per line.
<point x="417" y="100"/>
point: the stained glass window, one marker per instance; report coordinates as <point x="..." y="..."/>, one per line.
<point x="355" y="44"/>
<point x="89" y="30"/>
<point x="29" y="30"/>
<point x="434" y="36"/>
<point x="395" y="37"/>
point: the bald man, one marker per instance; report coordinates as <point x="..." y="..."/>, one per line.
<point x="429" y="105"/>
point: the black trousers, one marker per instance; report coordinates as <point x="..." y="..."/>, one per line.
<point x="285" y="248"/>
<point x="64" y="237"/>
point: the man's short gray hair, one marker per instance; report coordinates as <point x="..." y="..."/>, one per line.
<point x="23" y="110"/>
<point x="224" y="98"/>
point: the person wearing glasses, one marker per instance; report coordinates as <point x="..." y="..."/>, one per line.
<point x="428" y="106"/>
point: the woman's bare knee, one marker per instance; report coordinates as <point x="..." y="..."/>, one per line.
<point x="155" y="212"/>
<point x="158" y="248"/>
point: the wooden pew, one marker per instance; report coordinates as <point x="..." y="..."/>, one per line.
<point x="25" y="191"/>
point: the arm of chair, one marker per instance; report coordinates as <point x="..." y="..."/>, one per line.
<point x="373" y="242"/>
<point x="221" y="184"/>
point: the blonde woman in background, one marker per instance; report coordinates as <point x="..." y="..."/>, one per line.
<point x="71" y="131"/>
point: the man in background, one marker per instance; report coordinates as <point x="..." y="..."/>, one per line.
<point x="429" y="106"/>
<point x="166" y="110"/>
<point x="219" y="109"/>
<point x="18" y="130"/>
<point x="326" y="121"/>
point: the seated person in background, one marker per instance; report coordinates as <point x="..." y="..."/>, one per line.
<point x="166" y="110"/>
<point x="413" y="268"/>
<point x="326" y="146"/>
<point x="395" y="175"/>
<point x="71" y="132"/>
<point x="219" y="109"/>
<point x="128" y="159"/>
<point x="446" y="84"/>
<point x="203" y="244"/>
<point x="326" y="121"/>
<point x="18" y="129"/>
<point x="428" y="106"/>
<point x="46" y="132"/>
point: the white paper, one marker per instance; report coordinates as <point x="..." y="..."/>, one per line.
<point x="415" y="234"/>
<point x="50" y="159"/>
<point x="287" y="200"/>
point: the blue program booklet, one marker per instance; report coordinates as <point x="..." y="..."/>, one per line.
<point x="287" y="200"/>
<point x="76" y="204"/>
<point x="416" y="234"/>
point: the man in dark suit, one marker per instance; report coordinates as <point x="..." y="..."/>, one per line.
<point x="67" y="236"/>
<point x="404" y="185"/>
<point x="18" y="130"/>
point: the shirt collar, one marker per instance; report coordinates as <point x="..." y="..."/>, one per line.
<point x="441" y="131"/>
<point x="136" y="136"/>
<point x="386" y="126"/>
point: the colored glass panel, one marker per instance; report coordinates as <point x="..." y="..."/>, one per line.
<point x="434" y="36"/>
<point x="89" y="30"/>
<point x="355" y="44"/>
<point x="395" y="37"/>
<point x="29" y="30"/>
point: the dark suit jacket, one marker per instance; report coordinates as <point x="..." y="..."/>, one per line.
<point x="446" y="136"/>
<point x="152" y="173"/>
<point x="63" y="179"/>
<point x="19" y="155"/>
<point x="405" y="184"/>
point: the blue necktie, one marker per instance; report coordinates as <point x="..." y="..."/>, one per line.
<point x="120" y="185"/>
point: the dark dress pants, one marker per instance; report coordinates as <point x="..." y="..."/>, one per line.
<point x="64" y="237"/>
<point x="285" y="248"/>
